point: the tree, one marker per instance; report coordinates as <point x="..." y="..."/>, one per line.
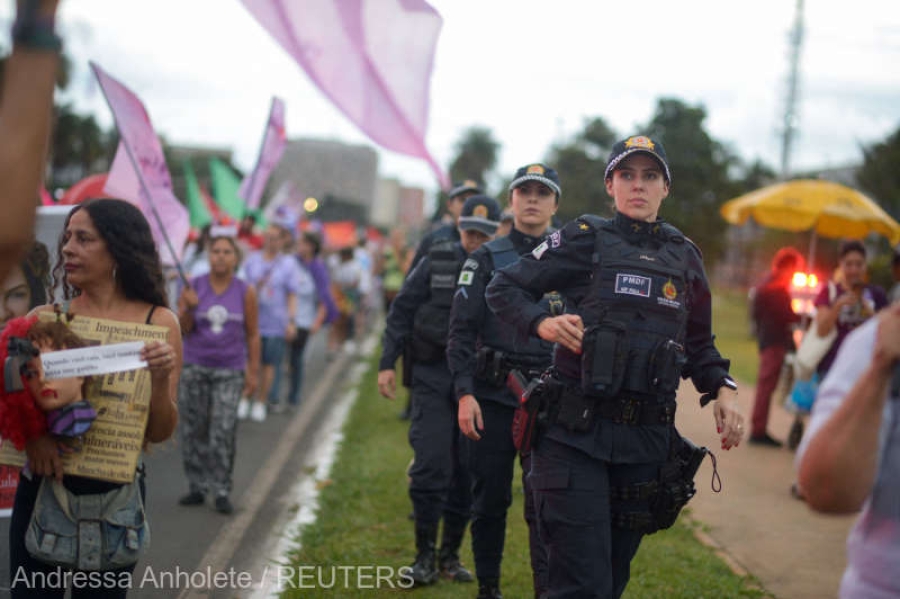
<point x="879" y="176"/>
<point x="476" y="155"/>
<point x="580" y="164"/>
<point x="700" y="173"/>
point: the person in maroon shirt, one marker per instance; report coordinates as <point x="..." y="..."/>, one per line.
<point x="774" y="318"/>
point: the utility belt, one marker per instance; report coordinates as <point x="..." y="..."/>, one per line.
<point x="493" y="366"/>
<point x="546" y="401"/>
<point x="576" y="410"/>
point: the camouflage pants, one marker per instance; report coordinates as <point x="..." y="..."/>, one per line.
<point x="207" y="404"/>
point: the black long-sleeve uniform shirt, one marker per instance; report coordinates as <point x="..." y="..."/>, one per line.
<point x="467" y="317"/>
<point x="563" y="263"/>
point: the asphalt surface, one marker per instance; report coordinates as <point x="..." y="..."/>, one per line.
<point x="200" y="542"/>
<point x="754" y="523"/>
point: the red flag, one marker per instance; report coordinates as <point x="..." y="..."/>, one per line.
<point x="372" y="59"/>
<point x="269" y="154"/>
<point x="139" y="173"/>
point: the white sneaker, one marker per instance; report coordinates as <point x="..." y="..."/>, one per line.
<point x="258" y="412"/>
<point x="243" y="409"/>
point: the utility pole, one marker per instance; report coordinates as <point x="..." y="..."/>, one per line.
<point x="791" y="118"/>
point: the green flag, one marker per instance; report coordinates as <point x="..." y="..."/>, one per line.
<point x="199" y="214"/>
<point x="225" y="184"/>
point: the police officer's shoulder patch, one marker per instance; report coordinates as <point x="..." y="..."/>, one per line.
<point x="465" y="277"/>
<point x="539" y="250"/>
<point x="470" y="264"/>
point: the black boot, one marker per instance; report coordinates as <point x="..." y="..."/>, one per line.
<point x="489" y="589"/>
<point x="448" y="557"/>
<point x="423" y="571"/>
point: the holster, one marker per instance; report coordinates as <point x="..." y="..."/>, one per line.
<point x="526" y="419"/>
<point x="676" y="480"/>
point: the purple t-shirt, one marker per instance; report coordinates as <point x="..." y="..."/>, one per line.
<point x="274" y="280"/>
<point x="850" y="317"/>
<point x="219" y="338"/>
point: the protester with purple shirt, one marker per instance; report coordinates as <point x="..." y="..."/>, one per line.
<point x="308" y="249"/>
<point x="219" y="316"/>
<point x="277" y="280"/>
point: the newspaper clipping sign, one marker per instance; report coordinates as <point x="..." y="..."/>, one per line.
<point x="110" y="449"/>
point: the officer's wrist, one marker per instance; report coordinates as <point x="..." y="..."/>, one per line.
<point x="728" y="383"/>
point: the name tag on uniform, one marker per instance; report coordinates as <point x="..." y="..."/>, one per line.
<point x="633" y="285"/>
<point x="465" y="277"/>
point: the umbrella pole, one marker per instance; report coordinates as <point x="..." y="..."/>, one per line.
<point x="812" y="251"/>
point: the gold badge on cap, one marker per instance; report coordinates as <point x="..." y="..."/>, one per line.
<point x="640" y="141"/>
<point x="535" y="169"/>
<point x="480" y="211"/>
<point x="470" y="183"/>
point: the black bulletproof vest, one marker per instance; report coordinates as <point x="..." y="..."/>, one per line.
<point x="639" y="298"/>
<point x="432" y="320"/>
<point x="501" y="337"/>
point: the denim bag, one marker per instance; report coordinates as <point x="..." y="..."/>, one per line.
<point x="103" y="531"/>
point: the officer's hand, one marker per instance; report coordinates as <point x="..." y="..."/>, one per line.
<point x="469" y="417"/>
<point x="387" y="383"/>
<point x="565" y="329"/>
<point x="729" y="421"/>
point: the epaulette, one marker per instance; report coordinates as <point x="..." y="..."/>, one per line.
<point x="590" y="222"/>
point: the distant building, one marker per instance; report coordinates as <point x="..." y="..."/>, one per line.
<point x="396" y="204"/>
<point x="341" y="177"/>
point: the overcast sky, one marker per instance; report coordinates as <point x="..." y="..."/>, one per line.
<point x="530" y="71"/>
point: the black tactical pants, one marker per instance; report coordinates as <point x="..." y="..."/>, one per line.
<point x="590" y="556"/>
<point x="491" y="463"/>
<point x="439" y="486"/>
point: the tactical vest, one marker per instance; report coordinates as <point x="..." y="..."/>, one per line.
<point x="635" y="315"/>
<point x="431" y="323"/>
<point x="501" y="337"/>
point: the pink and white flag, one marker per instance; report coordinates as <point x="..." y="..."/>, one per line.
<point x="372" y="59"/>
<point x="139" y="173"/>
<point x="270" y="153"/>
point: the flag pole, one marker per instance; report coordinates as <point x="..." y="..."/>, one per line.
<point x="144" y="187"/>
<point x="262" y="146"/>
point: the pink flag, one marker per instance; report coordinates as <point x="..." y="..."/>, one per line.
<point x="372" y="59"/>
<point x="252" y="186"/>
<point x="139" y="173"/>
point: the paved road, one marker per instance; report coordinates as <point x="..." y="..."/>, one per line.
<point x="794" y="552"/>
<point x="269" y="460"/>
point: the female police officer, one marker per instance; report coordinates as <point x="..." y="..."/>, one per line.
<point x="638" y="317"/>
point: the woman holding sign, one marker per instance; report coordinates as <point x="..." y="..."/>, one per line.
<point x="108" y="268"/>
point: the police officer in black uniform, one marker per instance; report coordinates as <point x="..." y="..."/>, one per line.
<point x="419" y="316"/>
<point x="481" y="351"/>
<point x="638" y="317"/>
<point x="456" y="198"/>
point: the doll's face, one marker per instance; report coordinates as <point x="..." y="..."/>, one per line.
<point x="53" y="394"/>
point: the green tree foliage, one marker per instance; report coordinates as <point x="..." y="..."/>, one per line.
<point x="80" y="147"/>
<point x="879" y="175"/>
<point x="476" y="157"/>
<point x="701" y="169"/>
<point x="580" y="164"/>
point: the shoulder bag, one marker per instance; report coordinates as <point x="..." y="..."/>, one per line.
<point x="102" y="531"/>
<point x="813" y="347"/>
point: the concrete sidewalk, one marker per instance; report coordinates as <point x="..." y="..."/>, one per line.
<point x="794" y="552"/>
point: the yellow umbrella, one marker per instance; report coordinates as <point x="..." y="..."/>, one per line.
<point x="824" y="207"/>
